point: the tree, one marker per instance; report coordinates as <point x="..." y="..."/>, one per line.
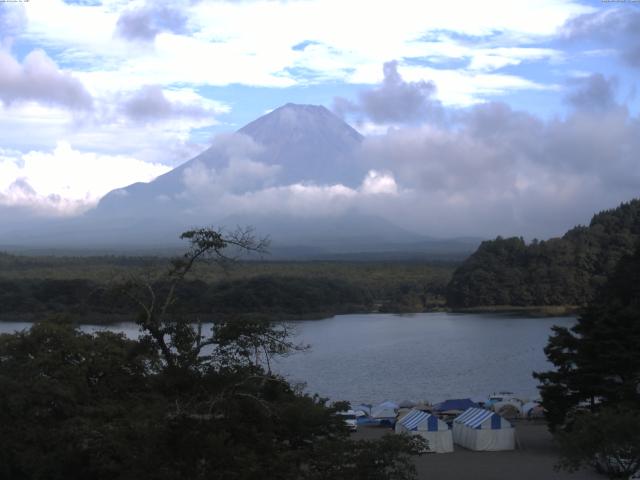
<point x="597" y="360"/>
<point x="69" y="400"/>
<point x="178" y="403"/>
<point x="592" y="398"/>
<point x="366" y="460"/>
<point x="608" y="439"/>
<point x="179" y="343"/>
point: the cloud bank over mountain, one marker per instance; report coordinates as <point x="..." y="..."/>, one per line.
<point x="486" y="170"/>
<point x="483" y="170"/>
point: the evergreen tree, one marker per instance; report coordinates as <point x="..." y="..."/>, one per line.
<point x="598" y="360"/>
<point x="592" y="398"/>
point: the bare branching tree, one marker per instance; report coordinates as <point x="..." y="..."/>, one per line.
<point x="239" y="350"/>
<point x="181" y="343"/>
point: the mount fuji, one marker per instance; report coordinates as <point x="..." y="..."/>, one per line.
<point x="293" y="144"/>
<point x="251" y="177"/>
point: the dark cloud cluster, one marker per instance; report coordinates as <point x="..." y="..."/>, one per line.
<point x="149" y="104"/>
<point x="395" y="101"/>
<point x="493" y="170"/>
<point x="143" y="23"/>
<point x="38" y="79"/>
<point x="594" y="93"/>
<point x="617" y="28"/>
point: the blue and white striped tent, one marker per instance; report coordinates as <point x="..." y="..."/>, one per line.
<point x="419" y="420"/>
<point x="479" y="429"/>
<point x="476" y="417"/>
<point x="430" y="427"/>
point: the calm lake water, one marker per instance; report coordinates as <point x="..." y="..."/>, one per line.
<point x="369" y="358"/>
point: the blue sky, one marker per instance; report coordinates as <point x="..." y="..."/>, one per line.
<point x="96" y="95"/>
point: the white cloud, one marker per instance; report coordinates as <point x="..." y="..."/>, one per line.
<point x="80" y="30"/>
<point x="239" y="175"/>
<point x="493" y="59"/>
<point x="303" y="200"/>
<point x="41" y="104"/>
<point x="226" y="42"/>
<point x="379" y="183"/>
<point x="67" y="181"/>
<point x="164" y="138"/>
<point x="298" y="200"/>
<point x="465" y="88"/>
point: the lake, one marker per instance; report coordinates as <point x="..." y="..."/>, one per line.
<point x="369" y="358"/>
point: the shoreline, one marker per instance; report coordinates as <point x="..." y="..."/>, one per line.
<point x="528" y="311"/>
<point x="100" y="318"/>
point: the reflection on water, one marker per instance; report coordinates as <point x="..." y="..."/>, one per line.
<point x="430" y="356"/>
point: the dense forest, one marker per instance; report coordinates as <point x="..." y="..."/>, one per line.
<point x="559" y="271"/>
<point x="89" y="288"/>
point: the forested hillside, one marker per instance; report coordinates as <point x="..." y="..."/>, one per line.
<point x="559" y="271"/>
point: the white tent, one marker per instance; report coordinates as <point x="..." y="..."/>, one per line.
<point x="479" y="429"/>
<point x="428" y="426"/>
<point x="385" y="412"/>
